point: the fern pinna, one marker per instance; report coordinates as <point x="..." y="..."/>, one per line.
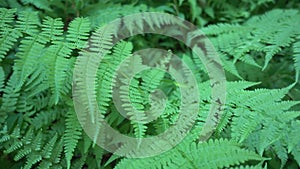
<point x="39" y="125"/>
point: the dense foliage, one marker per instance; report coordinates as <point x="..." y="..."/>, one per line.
<point x="258" y="42"/>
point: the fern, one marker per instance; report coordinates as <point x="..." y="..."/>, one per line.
<point x="71" y="136"/>
<point x="9" y="37"/>
<point x="30" y="51"/>
<point x="31" y="147"/>
<point x="52" y="29"/>
<point x="49" y="49"/>
<point x="214" y="154"/>
<point x="28" y="22"/>
<point x="11" y="94"/>
<point x="239" y="40"/>
<point x="57" y="54"/>
<point x="7" y="18"/>
<point x="77" y="32"/>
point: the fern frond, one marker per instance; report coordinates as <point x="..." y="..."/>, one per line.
<point x="281" y="152"/>
<point x="78" y="32"/>
<point x="31" y="49"/>
<point x="47" y="149"/>
<point x="296" y="154"/>
<point x="72" y="134"/>
<point x="28" y="22"/>
<point x="7" y="40"/>
<point x="131" y="96"/>
<point x="256" y="107"/>
<point x="33" y="159"/>
<point x="56" y="153"/>
<point x="106" y="71"/>
<point x="57" y="71"/>
<point x="52" y="29"/>
<point x="293" y="136"/>
<point x="222" y="153"/>
<point x="11" y="94"/>
<point x="135" y="24"/>
<point x="222" y="28"/>
<point x="86" y="69"/>
<point x="257" y="34"/>
<point x="45" y="118"/>
<point x="6" y="18"/>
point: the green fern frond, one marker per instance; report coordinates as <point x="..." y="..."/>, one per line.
<point x="6" y="18"/>
<point x="72" y="134"/>
<point x="47" y="149"/>
<point x="293" y="136"/>
<point x="135" y="110"/>
<point x="28" y="22"/>
<point x="45" y="118"/>
<point x="29" y="146"/>
<point x="281" y="152"/>
<point x="87" y="66"/>
<point x="78" y="32"/>
<point x="11" y="94"/>
<point x="222" y="28"/>
<point x="40" y="128"/>
<point x="222" y="153"/>
<point x="229" y="66"/>
<point x="106" y="71"/>
<point x="135" y="24"/>
<point x="296" y="154"/>
<point x="131" y="96"/>
<point x="33" y="159"/>
<point x="52" y="29"/>
<point x="256" y="107"/>
<point x="7" y="40"/>
<point x="31" y="49"/>
<point x="56" y="153"/>
<point x="57" y="71"/>
<point x="257" y="34"/>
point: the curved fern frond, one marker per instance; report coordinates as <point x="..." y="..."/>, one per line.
<point x="86" y="69"/>
<point x="31" y="50"/>
<point x="57" y="71"/>
<point x="222" y="153"/>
